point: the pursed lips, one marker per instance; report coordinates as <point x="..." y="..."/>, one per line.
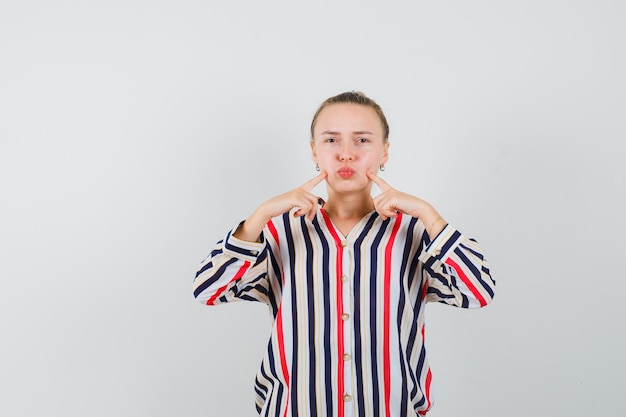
<point x="345" y="172"/>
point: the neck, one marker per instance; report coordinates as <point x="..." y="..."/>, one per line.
<point x="348" y="206"/>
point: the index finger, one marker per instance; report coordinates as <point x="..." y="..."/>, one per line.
<point x="310" y="184"/>
<point x="382" y="184"/>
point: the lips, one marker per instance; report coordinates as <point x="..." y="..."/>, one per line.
<point x="346" y="172"/>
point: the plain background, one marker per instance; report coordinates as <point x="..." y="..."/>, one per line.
<point x="134" y="134"/>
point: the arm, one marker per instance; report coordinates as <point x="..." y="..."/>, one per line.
<point x="300" y="197"/>
<point x="237" y="266"/>
<point x="391" y="201"/>
<point x="454" y="265"/>
<point x="456" y="271"/>
<point x="235" y="269"/>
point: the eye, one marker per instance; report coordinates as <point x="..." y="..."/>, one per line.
<point x="362" y="140"/>
<point x="330" y="140"/>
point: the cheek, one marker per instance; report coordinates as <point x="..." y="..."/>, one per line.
<point x="323" y="159"/>
<point x="370" y="161"/>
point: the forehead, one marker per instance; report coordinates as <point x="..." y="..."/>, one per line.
<point x="348" y="117"/>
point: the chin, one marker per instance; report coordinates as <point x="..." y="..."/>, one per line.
<point x="348" y="186"/>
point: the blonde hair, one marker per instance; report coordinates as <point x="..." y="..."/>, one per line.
<point x="353" y="97"/>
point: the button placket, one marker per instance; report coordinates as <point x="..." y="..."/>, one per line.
<point x="346" y="317"/>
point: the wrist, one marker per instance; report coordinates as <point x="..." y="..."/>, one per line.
<point x="250" y="230"/>
<point x="435" y="227"/>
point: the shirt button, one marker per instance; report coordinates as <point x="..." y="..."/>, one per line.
<point x="344" y="243"/>
<point x="345" y="316"/>
<point x="344" y="279"/>
<point x="346" y="357"/>
<point x="347" y="398"/>
<point x="253" y="253"/>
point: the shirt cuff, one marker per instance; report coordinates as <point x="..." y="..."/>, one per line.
<point x="243" y="249"/>
<point x="441" y="247"/>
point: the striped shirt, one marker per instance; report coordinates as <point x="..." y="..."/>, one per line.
<point x="348" y="311"/>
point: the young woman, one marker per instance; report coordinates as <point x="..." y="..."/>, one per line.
<point x="346" y="280"/>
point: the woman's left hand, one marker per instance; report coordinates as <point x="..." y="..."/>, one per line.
<point x="390" y="202"/>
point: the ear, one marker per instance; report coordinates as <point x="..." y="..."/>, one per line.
<point x="313" y="153"/>
<point x="385" y="153"/>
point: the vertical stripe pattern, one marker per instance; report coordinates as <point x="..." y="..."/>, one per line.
<point x="348" y="333"/>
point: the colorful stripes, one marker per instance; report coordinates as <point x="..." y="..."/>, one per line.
<point x="339" y="311"/>
<point x="281" y="350"/>
<point x="242" y="270"/>
<point x="348" y="333"/>
<point x="468" y="283"/>
<point x="386" y="314"/>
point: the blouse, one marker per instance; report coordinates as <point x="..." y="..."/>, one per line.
<point x="347" y="335"/>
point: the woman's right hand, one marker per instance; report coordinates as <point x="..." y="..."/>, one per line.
<point x="301" y="197"/>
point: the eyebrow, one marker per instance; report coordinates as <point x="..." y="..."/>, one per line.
<point x="356" y="132"/>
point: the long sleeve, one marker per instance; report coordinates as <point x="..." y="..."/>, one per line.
<point x="235" y="270"/>
<point x="456" y="271"/>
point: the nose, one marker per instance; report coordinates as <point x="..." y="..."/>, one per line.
<point x="346" y="153"/>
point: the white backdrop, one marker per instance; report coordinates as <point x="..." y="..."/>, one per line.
<point x="134" y="134"/>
